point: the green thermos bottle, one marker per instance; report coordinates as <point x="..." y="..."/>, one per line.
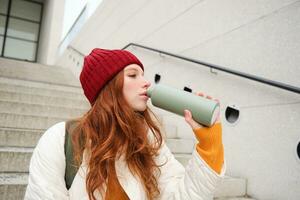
<point x="204" y="111"/>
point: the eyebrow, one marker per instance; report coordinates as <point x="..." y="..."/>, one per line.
<point x="131" y="69"/>
<point x="134" y="70"/>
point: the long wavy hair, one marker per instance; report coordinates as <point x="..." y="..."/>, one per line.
<point x="112" y="128"/>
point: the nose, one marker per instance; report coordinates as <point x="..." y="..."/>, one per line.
<point x="147" y="84"/>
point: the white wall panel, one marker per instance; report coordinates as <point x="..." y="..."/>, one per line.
<point x="268" y="47"/>
<point x="210" y="19"/>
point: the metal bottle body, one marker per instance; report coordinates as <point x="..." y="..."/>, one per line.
<point x="203" y="110"/>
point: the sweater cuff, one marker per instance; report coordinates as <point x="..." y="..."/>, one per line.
<point x="210" y="146"/>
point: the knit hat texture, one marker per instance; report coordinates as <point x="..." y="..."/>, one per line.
<point x="100" y="66"/>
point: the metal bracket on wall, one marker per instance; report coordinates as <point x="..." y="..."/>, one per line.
<point x="213" y="72"/>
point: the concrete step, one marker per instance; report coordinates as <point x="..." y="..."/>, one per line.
<point x="15" y="159"/>
<point x="231" y="187"/>
<point x="39" y="85"/>
<point x="170" y="131"/>
<point x="36" y="72"/>
<point x="183" y="158"/>
<point x="40" y="91"/>
<point x="181" y="146"/>
<point x="13" y="185"/>
<point x="183" y="129"/>
<point x="234" y="198"/>
<point x="44" y="100"/>
<point x="8" y="120"/>
<point x="12" y="137"/>
<point x="39" y="110"/>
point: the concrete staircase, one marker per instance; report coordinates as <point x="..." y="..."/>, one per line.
<point x="32" y="98"/>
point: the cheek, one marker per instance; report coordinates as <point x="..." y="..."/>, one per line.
<point x="129" y="85"/>
<point x="128" y="89"/>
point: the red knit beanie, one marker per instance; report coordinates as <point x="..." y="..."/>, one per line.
<point x="100" y="66"/>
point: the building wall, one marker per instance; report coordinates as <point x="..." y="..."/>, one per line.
<point x="51" y="31"/>
<point x="256" y="37"/>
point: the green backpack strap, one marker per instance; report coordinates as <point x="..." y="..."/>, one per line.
<point x="71" y="168"/>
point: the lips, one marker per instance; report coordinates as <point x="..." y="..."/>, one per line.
<point x="144" y="94"/>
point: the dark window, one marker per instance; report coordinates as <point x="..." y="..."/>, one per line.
<point x="20" y="23"/>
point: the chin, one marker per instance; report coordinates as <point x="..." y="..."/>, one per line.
<point x="141" y="108"/>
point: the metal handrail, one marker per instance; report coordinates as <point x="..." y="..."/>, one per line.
<point x="224" y="69"/>
<point x="77" y="51"/>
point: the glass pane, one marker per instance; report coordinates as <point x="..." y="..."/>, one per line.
<point x="26" y="10"/>
<point x="1" y="43"/>
<point x="19" y="49"/>
<point x="23" y="29"/>
<point x="3" y="6"/>
<point x="2" y="24"/>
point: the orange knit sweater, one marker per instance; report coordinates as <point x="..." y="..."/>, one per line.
<point x="210" y="148"/>
<point x="114" y="189"/>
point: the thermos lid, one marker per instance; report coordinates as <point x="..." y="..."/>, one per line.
<point x="215" y="114"/>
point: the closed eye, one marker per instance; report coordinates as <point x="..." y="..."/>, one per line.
<point x="132" y="75"/>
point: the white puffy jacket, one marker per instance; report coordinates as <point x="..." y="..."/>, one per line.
<point x="47" y="169"/>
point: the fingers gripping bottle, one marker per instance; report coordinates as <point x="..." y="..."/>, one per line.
<point x="204" y="111"/>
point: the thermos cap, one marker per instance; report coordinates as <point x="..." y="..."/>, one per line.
<point x="215" y="114"/>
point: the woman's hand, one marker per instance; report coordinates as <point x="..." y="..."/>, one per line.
<point x="189" y="119"/>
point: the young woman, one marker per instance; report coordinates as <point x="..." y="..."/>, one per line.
<point x="118" y="147"/>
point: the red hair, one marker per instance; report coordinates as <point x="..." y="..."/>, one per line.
<point x="112" y="128"/>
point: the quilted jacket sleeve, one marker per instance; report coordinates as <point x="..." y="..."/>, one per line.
<point x="196" y="181"/>
<point x="47" y="167"/>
